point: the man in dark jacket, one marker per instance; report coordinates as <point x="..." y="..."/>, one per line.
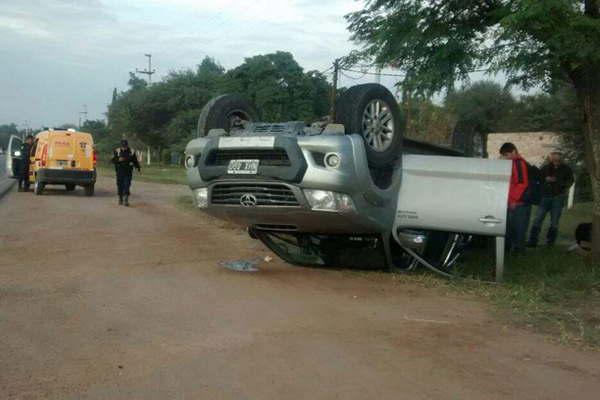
<point x="23" y="163"/>
<point x="125" y="160"/>
<point x="518" y="210"/>
<point x="557" y="178"/>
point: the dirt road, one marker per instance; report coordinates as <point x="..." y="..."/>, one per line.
<point x="99" y="301"/>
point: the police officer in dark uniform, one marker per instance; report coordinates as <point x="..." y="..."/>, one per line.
<point x="125" y="160"/>
<point x="23" y="164"/>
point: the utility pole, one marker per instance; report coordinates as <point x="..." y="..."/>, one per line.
<point x="336" y="70"/>
<point x="378" y="74"/>
<point x="148" y="71"/>
<point x="85" y="113"/>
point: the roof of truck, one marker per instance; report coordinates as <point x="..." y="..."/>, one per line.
<point x="62" y="132"/>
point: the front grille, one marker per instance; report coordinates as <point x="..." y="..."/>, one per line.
<point x="267" y="157"/>
<point x="266" y="194"/>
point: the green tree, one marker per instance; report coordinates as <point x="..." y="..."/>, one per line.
<point x="278" y="87"/>
<point x="96" y="127"/>
<point x="6" y="131"/>
<point x="479" y="109"/>
<point x="162" y="116"/>
<point x="427" y="121"/>
<point x="135" y="82"/>
<point x="533" y="41"/>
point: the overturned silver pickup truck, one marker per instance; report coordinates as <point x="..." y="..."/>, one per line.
<point x="348" y="194"/>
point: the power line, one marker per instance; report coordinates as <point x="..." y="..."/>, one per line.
<point x="326" y="70"/>
<point x="352" y="77"/>
<point x="373" y="73"/>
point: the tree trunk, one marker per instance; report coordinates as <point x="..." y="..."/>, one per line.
<point x="587" y="85"/>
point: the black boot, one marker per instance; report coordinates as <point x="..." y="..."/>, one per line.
<point x="126" y="200"/>
<point x="120" y="200"/>
<point x="533" y="236"/>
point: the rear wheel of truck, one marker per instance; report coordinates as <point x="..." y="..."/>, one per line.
<point x="371" y="111"/>
<point x="228" y="112"/>
<point x="89" y="190"/>
<point x="69" y="187"/>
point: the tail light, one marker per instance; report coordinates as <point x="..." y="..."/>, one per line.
<point x="94" y="158"/>
<point x="44" y="157"/>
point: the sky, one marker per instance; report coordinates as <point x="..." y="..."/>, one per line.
<point x="58" y="55"/>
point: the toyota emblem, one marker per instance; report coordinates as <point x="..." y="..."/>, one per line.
<point x="248" y="200"/>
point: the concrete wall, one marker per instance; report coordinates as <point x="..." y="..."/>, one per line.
<point x="533" y="146"/>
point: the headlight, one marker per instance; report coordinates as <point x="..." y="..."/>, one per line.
<point x="201" y="197"/>
<point x="17" y="153"/>
<point x="324" y="200"/>
<point x="190" y="161"/>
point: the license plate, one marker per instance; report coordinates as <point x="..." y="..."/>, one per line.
<point x="249" y="167"/>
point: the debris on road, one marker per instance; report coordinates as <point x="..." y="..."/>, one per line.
<point x="240" y="265"/>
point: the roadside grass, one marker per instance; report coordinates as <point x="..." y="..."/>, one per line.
<point x="185" y="203"/>
<point x="151" y="173"/>
<point x="549" y="289"/>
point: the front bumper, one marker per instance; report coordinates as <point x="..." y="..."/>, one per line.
<point x="66" y="176"/>
<point x="374" y="208"/>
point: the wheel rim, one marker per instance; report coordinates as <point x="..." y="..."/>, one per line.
<point x="378" y="125"/>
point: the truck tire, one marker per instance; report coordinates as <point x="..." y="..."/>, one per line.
<point x="89" y="190"/>
<point x="69" y="187"/>
<point x="371" y="111"/>
<point x="224" y="112"/>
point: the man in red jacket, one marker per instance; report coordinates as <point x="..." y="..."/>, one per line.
<point x="519" y="211"/>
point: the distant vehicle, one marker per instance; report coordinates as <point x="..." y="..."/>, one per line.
<point x="13" y="155"/>
<point x="349" y="193"/>
<point x="63" y="157"/>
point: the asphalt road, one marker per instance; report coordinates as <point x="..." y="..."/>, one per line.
<point x="99" y="301"/>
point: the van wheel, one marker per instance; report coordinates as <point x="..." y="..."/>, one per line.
<point x="70" y="187"/>
<point x="89" y="190"/>
<point x="38" y="187"/>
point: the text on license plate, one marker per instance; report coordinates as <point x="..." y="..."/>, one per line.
<point x="243" y="167"/>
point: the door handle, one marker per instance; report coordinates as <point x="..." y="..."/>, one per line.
<point x="489" y="219"/>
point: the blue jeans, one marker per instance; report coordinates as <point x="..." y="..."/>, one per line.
<point x="554" y="206"/>
<point x="517" y="224"/>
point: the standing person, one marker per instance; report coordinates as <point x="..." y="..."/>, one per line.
<point x="125" y="160"/>
<point x="519" y="211"/>
<point x="24" y="164"/>
<point x="557" y="178"/>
